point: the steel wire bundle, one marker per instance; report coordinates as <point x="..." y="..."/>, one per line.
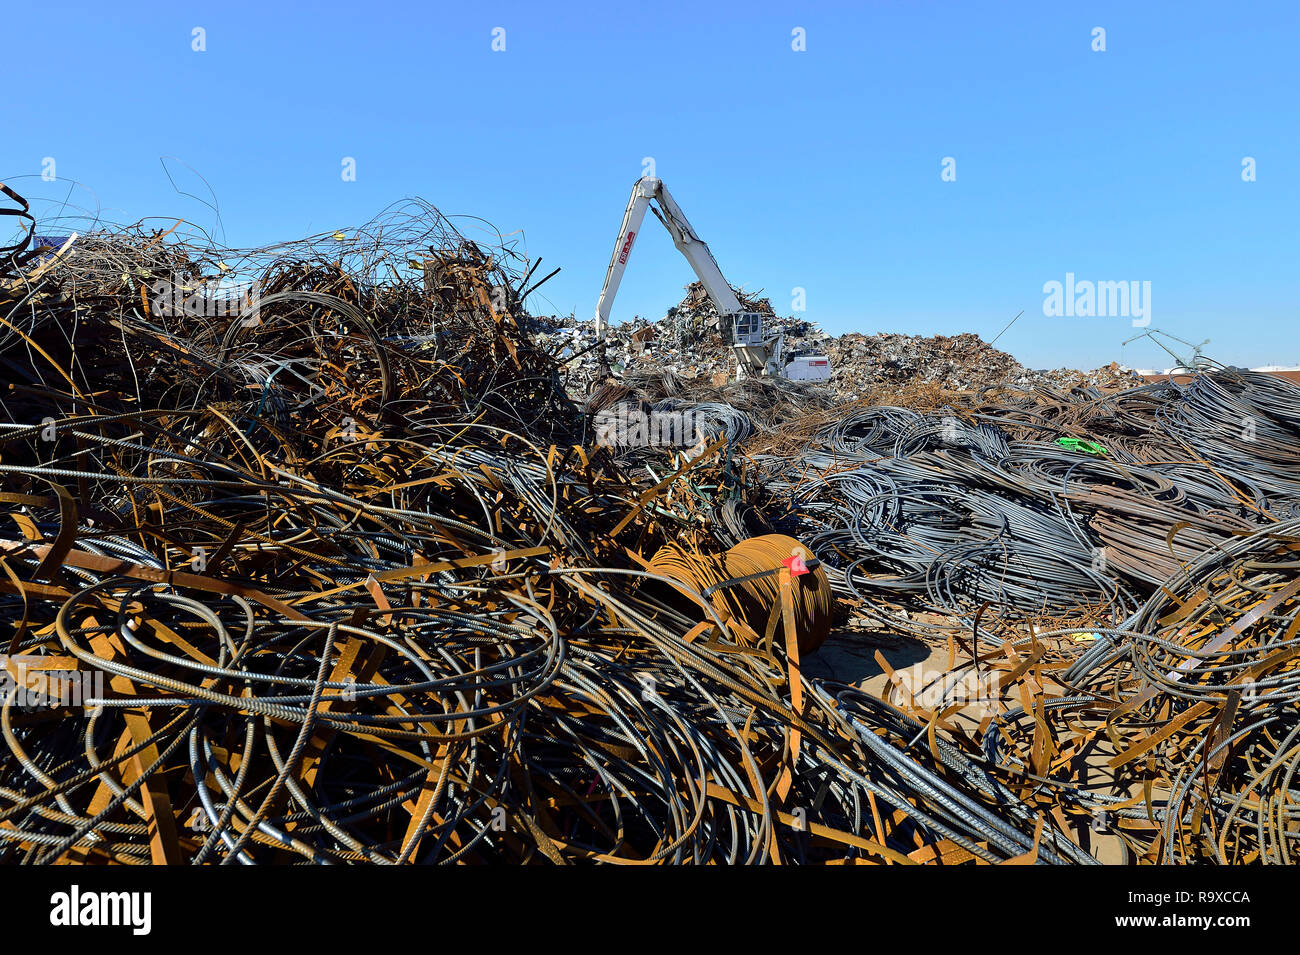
<point x="350" y="584"/>
<point x="350" y="580"/>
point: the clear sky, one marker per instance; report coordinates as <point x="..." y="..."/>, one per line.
<point x="819" y="168"/>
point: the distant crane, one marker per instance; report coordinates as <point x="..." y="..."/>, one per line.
<point x="1193" y="362"/>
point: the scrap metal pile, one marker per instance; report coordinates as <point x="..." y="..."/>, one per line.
<point x="689" y="344"/>
<point x="1134" y="551"/>
<point x="339" y="573"/>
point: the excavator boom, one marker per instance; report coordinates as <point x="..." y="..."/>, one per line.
<point x="755" y="355"/>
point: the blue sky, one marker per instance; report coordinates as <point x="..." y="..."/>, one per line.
<point x="818" y="169"/>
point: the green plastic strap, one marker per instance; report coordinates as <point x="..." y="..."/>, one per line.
<point x="1079" y="444"/>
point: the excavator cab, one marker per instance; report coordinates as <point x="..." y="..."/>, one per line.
<point x="755" y="356"/>
<point x="747" y="328"/>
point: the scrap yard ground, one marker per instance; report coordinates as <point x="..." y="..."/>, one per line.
<point x="323" y="553"/>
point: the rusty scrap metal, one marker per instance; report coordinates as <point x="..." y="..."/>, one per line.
<point x="309" y="557"/>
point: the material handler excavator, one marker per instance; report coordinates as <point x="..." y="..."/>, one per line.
<point x="757" y="354"/>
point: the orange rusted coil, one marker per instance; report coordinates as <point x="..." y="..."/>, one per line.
<point x="744" y="584"/>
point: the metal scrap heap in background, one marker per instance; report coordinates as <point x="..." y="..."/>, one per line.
<point x="340" y="573"/>
<point x="688" y="343"/>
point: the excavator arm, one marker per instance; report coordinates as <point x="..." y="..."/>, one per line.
<point x="684" y="237"/>
<point x="755" y="354"/>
